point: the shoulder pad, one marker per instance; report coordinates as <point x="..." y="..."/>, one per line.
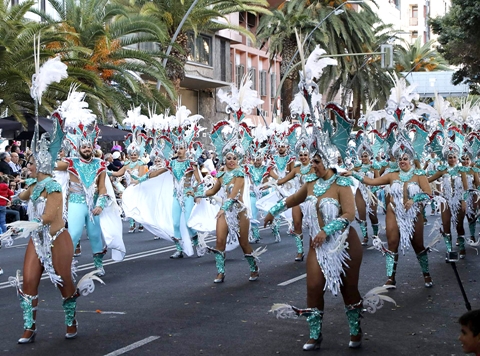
<point x="344" y="181"/>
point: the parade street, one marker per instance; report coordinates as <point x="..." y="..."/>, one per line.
<point x="153" y="305"/>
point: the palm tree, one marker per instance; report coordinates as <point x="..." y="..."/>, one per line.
<point x="418" y="57"/>
<point x="278" y="33"/>
<point x="98" y="37"/>
<point x="16" y="59"/>
<point x="203" y="19"/>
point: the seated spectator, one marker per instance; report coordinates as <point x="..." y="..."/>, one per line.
<point x="5" y="198"/>
<point x="116" y="160"/>
<point x="109" y="162"/>
<point x="5" y="164"/>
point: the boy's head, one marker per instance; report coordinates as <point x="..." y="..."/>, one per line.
<point x="470" y="332"/>
<point x="4" y="179"/>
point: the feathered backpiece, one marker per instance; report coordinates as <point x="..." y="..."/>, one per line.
<point x="137" y="140"/>
<point x="235" y="136"/>
<point x="80" y="123"/>
<point x="184" y="128"/>
<point x="283" y="135"/>
<point x="400" y="112"/>
<point x="45" y="149"/>
<point x="259" y="146"/>
<point x="340" y="135"/>
<point x="471" y="146"/>
<point x="322" y="146"/>
<point x="50" y="72"/>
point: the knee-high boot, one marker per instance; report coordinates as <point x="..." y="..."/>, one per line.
<point x="363" y="228"/>
<point x="448" y="241"/>
<point x="255" y="237"/>
<point x="314" y="319"/>
<point x="70" y="307"/>
<point x="354" y="313"/>
<point x="219" y="263"/>
<point x="179" y="252"/>
<point x="391" y="259"/>
<point x="471" y="227"/>
<point x="299" y="243"/>
<point x="375" y="229"/>
<point x="132" y="225"/>
<point x="29" y="315"/>
<point x="254" y="270"/>
<point x="98" y="263"/>
<point x="276" y="230"/>
<point x="422" y="258"/>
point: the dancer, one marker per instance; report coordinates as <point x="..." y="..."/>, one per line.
<point x="91" y="197"/>
<point x="233" y="219"/>
<point x="364" y="197"/>
<point x="180" y="154"/>
<point x="50" y="248"/>
<point x="302" y="171"/>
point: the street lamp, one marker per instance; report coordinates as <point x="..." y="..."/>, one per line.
<point x="335" y="11"/>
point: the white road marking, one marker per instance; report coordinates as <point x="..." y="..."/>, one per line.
<point x="133" y="346"/>
<point x="129" y="257"/>
<point x="293" y="280"/>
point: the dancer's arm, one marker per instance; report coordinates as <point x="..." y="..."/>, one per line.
<point x="61" y="166"/>
<point x="214" y="190"/>
<point x="102" y="194"/>
<point x="435" y="176"/>
<point x="288" y="177"/>
<point x="286" y="203"/>
<point x="383" y="180"/>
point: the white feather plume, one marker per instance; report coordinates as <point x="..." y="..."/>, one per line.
<point x="316" y="62"/>
<point x="135" y="117"/>
<point x="283" y="311"/>
<point x="22" y="228"/>
<point x="244" y="98"/>
<point x="374" y="299"/>
<point x="86" y="284"/>
<point x="300" y="106"/>
<point x="440" y="110"/>
<point x="52" y="71"/>
<point x="258" y="252"/>
<point x="75" y="110"/>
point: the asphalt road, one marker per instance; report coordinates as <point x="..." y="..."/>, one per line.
<point x="153" y="305"/>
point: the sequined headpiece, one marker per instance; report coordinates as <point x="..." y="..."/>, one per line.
<point x="235" y="136"/>
<point x="136" y="141"/>
<point x="80" y="124"/>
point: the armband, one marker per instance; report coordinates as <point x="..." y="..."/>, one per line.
<point x="421" y="197"/>
<point x="465" y="195"/>
<point x="357" y="177"/>
<point x="142" y="178"/>
<point x="335" y="225"/>
<point x="279" y="208"/>
<point x="200" y="191"/>
<point x="38" y="220"/>
<point x="102" y="201"/>
<point x="228" y="204"/>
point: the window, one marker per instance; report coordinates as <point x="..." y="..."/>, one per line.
<point x="414" y="35"/>
<point x="414" y="15"/>
<point x="273" y="85"/>
<point x="415" y="11"/>
<point x="240" y="72"/>
<point x="200" y="49"/>
<point x="223" y="60"/>
<point x="263" y="83"/>
<point x="253" y="77"/>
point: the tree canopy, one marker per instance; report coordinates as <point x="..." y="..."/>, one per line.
<point x="458" y="38"/>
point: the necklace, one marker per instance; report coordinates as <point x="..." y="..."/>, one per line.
<point x="406" y="176"/>
<point x="321" y="186"/>
<point x="365" y="168"/>
<point x="305" y="169"/>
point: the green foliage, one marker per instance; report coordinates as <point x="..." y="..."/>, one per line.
<point x="458" y="38"/>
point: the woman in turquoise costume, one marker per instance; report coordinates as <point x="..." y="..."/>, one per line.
<point x="232" y="219"/>
<point x="50" y="248"/>
<point x="232" y="140"/>
<point x="404" y="219"/>
<point x="365" y="199"/>
<point x="455" y="191"/>
<point x="335" y="254"/>
<point x="471" y="146"/>
<point x="302" y="172"/>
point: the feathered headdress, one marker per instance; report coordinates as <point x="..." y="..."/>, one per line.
<point x="80" y="123"/>
<point x="137" y="140"/>
<point x="235" y="136"/>
<point x="259" y="145"/>
<point x="400" y="115"/>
